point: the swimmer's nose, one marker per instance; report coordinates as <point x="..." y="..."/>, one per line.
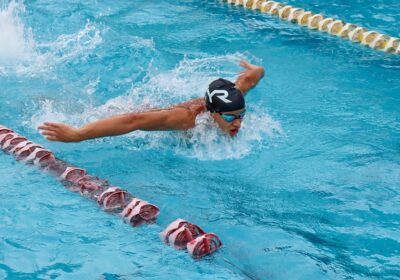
<point x="237" y="123"/>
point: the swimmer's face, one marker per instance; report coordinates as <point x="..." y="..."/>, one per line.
<point x="232" y="128"/>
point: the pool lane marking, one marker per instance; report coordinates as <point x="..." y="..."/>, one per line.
<point x="372" y="39"/>
<point x="110" y="198"/>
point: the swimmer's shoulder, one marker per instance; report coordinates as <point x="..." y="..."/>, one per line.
<point x="194" y="106"/>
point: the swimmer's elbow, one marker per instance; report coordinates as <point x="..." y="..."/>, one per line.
<point x="254" y="79"/>
<point x="261" y="71"/>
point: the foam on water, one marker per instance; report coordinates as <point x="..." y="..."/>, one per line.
<point x="70" y="46"/>
<point x="207" y="142"/>
<point x="67" y="47"/>
<point x="16" y="41"/>
<point x="187" y="80"/>
<point x="20" y="54"/>
<point x="319" y="203"/>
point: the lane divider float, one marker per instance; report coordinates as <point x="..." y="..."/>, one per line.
<point x="111" y="199"/>
<point x="182" y="234"/>
<point x="372" y="39"/>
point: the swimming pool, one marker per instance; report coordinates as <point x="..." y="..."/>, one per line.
<point x="308" y="190"/>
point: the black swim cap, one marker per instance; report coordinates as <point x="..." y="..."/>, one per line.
<point x="222" y="96"/>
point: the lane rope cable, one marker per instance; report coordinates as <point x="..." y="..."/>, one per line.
<point x="372" y="39"/>
<point x="180" y="234"/>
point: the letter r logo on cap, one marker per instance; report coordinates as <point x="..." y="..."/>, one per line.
<point x="217" y="92"/>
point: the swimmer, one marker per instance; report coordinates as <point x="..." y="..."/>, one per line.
<point x="223" y="99"/>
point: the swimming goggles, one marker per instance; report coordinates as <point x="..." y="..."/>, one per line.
<point x="232" y="117"/>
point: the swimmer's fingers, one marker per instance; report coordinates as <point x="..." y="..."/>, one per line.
<point x="58" y="138"/>
<point x="46" y="130"/>
<point x="248" y="66"/>
<point x="47" y="125"/>
<point x="59" y="132"/>
<point x="52" y="138"/>
<point x="49" y="133"/>
<point x="245" y="64"/>
<point x="56" y="127"/>
<point x="51" y="124"/>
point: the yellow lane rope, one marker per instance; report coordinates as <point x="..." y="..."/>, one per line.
<point x="339" y="28"/>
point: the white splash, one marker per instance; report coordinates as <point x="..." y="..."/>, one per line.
<point x="48" y="112"/>
<point x="16" y="41"/>
<point x="187" y="80"/>
<point x="90" y="88"/>
<point x="74" y="45"/>
<point x="207" y="142"/>
<point x="21" y="55"/>
<point x="65" y="48"/>
<point x="139" y="43"/>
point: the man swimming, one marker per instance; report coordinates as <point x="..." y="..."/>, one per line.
<point x="223" y="99"/>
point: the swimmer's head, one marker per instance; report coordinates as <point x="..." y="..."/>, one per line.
<point x="226" y="105"/>
<point x="222" y="96"/>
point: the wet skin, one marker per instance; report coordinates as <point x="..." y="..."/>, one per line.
<point x="179" y="117"/>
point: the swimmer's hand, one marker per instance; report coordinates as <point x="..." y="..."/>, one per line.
<point x="60" y="132"/>
<point x="248" y="66"/>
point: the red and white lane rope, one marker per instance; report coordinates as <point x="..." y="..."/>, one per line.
<point x="339" y="28"/>
<point x="181" y="234"/>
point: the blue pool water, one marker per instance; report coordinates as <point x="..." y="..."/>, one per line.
<point x="308" y="190"/>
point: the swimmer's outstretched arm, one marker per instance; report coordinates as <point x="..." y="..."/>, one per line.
<point x="250" y="77"/>
<point x="169" y="119"/>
